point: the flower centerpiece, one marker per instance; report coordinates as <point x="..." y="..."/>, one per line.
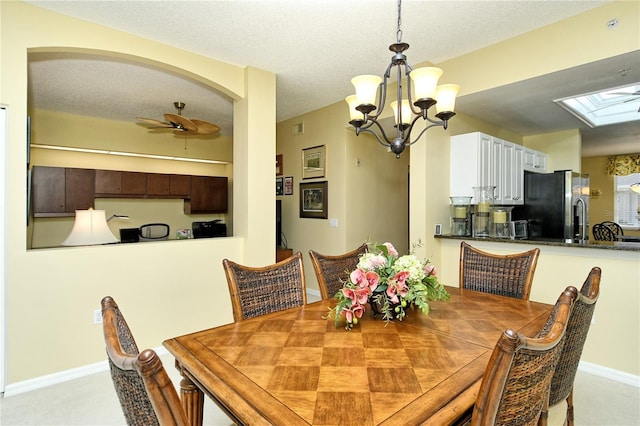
<point x="390" y="283"/>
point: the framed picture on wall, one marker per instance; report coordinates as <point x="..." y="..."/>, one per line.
<point x="279" y="186"/>
<point x="313" y="200"/>
<point x="279" y="165"/>
<point x="288" y="185"/>
<point x="313" y="162"/>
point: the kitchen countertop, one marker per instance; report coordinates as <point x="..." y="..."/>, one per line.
<point x="607" y="245"/>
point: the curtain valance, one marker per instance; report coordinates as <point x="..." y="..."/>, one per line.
<point x="622" y="165"/>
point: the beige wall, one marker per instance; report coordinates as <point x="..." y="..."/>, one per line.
<point x="364" y="199"/>
<point x="164" y="288"/>
<point x="563" y="149"/>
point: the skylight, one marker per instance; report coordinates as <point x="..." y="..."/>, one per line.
<point x="610" y="106"/>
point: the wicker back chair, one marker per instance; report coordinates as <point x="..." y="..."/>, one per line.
<point x="332" y="271"/>
<point x="515" y="386"/>
<point x="602" y="232"/>
<point x="616" y="228"/>
<point x="577" y="329"/>
<point x="506" y="275"/>
<point x="146" y="393"/>
<point x="257" y="291"/>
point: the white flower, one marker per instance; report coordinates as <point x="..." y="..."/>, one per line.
<point x="371" y="261"/>
<point x="411" y="264"/>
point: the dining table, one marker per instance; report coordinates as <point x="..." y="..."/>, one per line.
<point x="297" y="367"/>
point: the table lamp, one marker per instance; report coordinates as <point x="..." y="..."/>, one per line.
<point x="90" y="228"/>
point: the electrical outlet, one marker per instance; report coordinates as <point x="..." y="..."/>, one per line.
<point x="97" y="316"/>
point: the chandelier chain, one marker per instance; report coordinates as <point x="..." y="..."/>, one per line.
<point x="399" y="32"/>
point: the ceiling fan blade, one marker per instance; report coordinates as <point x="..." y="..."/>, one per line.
<point x="153" y="122"/>
<point x="204" y="127"/>
<point x="185" y="132"/>
<point x="181" y="121"/>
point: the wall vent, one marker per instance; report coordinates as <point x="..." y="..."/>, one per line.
<point x="297" y="129"/>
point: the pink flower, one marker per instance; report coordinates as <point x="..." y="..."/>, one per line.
<point x="397" y="286"/>
<point x="430" y="270"/>
<point x="356" y="311"/>
<point x="359" y="278"/>
<point x="391" y="249"/>
<point x="373" y="279"/>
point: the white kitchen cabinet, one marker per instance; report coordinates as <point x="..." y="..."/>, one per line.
<point x="512" y="175"/>
<point x="478" y="159"/>
<point x="535" y="161"/>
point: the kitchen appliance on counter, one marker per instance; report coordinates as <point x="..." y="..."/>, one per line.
<point x="210" y="229"/>
<point x="556" y="205"/>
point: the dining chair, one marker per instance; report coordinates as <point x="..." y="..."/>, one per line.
<point x="602" y="232"/>
<point x="333" y="270"/>
<point x="257" y="291"/>
<point x="506" y="275"/>
<point x="146" y="393"/>
<point x="616" y="228"/>
<point x="577" y="329"/>
<point x="515" y="385"/>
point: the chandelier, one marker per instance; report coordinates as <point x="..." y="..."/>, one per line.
<point x="422" y="93"/>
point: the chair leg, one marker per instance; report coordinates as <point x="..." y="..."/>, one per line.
<point x="570" y="408"/>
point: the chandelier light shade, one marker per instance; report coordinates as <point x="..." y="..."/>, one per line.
<point x="90" y="228"/>
<point x="422" y="93"/>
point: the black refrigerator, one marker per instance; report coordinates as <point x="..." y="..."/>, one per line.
<point x="556" y="206"/>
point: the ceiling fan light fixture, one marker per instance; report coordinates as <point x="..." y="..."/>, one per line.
<point x="180" y="124"/>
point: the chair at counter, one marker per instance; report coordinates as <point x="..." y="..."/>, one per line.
<point x="508" y="275"/>
<point x="602" y="232"/>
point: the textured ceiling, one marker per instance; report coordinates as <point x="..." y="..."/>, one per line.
<point x="313" y="47"/>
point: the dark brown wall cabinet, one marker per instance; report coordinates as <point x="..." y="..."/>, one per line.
<point x="59" y="191"/>
<point x="208" y="195"/>
<point x="168" y="185"/>
<point x="110" y="182"/>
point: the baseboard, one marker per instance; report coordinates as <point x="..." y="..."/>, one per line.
<point x="609" y="373"/>
<point x="313" y="295"/>
<point x="61" y="377"/>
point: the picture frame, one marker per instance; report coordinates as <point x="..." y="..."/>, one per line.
<point x="313" y="200"/>
<point x="288" y="185"/>
<point x="279" y="165"/>
<point x="279" y="186"/>
<point x="313" y="162"/>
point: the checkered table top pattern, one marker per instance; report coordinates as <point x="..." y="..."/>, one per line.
<point x="297" y="364"/>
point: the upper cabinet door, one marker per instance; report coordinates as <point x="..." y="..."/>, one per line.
<point x="208" y="194"/>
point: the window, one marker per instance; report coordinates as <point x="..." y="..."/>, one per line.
<point x="627" y="202"/>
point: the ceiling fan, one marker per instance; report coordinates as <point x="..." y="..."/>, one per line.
<point x="181" y="125"/>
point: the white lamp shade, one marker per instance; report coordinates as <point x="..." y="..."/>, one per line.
<point x="90" y="228"/>
<point x="406" y="111"/>
<point x="446" y="97"/>
<point x="635" y="187"/>
<point x="425" y="80"/>
<point x="354" y="114"/>
<point x="366" y="88"/>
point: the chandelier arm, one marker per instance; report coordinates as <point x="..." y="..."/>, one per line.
<point x="421" y="133"/>
<point x="380" y="141"/>
<point x="383" y="95"/>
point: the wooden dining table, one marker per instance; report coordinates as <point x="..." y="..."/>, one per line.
<point x="295" y="367"/>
